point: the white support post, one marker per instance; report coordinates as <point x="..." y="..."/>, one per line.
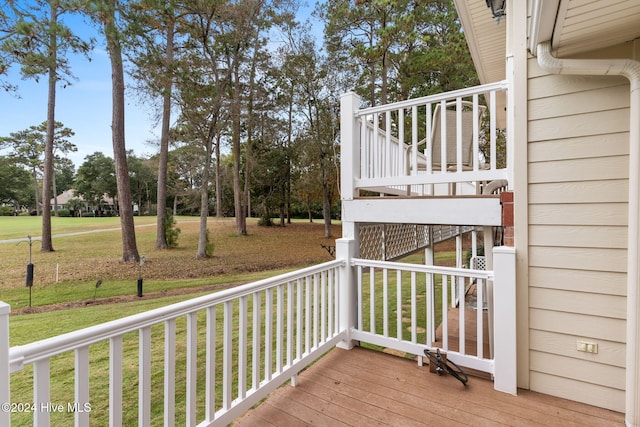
<point x="487" y="233"/>
<point x="346" y="249"/>
<point x="5" y="375"/>
<point x="456" y="297"/>
<point x="429" y="259"/>
<point x="504" y="297"/>
<point x="349" y="145"/>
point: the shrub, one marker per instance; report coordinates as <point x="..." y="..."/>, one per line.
<point x="170" y="230"/>
<point x="64" y="212"/>
<point x="265" y="221"/>
<point x="7" y="211"/>
<point x="88" y="214"/>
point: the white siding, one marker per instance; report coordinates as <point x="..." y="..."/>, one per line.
<point x="577" y="195"/>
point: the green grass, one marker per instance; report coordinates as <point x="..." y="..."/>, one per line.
<point x="25" y="328"/>
<point x="87" y="292"/>
<point x="90" y="256"/>
<point x="19" y="227"/>
<point x="237" y="260"/>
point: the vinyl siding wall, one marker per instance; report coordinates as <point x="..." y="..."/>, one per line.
<point x="577" y="192"/>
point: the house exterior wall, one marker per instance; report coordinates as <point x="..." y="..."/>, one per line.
<point x="577" y="189"/>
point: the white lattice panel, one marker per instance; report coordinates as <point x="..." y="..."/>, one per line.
<point x="391" y="241"/>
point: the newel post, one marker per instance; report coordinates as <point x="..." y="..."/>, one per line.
<point x="349" y="145"/>
<point x="346" y="249"/>
<point x="5" y="374"/>
<point x="504" y="312"/>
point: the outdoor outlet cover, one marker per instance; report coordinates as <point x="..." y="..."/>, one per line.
<point x="587" y="347"/>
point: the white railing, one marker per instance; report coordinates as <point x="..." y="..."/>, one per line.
<point x="395" y="148"/>
<point x="234" y="347"/>
<point x="401" y="305"/>
<point x="208" y="360"/>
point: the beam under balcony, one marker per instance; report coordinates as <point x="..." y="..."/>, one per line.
<point x="458" y="210"/>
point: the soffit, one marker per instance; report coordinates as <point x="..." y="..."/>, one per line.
<point x="586" y="25"/>
<point x="486" y="39"/>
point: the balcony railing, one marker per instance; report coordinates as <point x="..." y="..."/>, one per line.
<point x="231" y="348"/>
<point x="240" y="343"/>
<point x="396" y="148"/>
<point x="401" y="305"/>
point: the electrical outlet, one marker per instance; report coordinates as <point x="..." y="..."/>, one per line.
<point x="587" y="347"/>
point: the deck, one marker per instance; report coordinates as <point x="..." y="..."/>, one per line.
<point x="366" y="387"/>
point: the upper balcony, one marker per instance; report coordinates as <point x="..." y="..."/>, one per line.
<point x="397" y="150"/>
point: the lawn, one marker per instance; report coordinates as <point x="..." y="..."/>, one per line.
<point x="70" y="272"/>
<point x="74" y="301"/>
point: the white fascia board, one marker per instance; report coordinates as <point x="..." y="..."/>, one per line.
<point x="485" y="211"/>
<point x="542" y="23"/>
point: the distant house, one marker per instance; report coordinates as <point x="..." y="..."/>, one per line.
<point x="63" y="199"/>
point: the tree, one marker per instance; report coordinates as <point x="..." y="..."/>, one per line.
<point x="142" y="180"/>
<point x="200" y="85"/>
<point x="240" y="43"/>
<point x="61" y="144"/>
<point x="401" y="48"/>
<point x="270" y="170"/>
<point x="65" y="173"/>
<point x="28" y="145"/>
<point x="317" y="89"/>
<point x="96" y="178"/>
<point x="150" y="22"/>
<point x="15" y="182"/>
<point x="7" y="31"/>
<point x="26" y="149"/>
<point x="106" y="13"/>
<point x="41" y="40"/>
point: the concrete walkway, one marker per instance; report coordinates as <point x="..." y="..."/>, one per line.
<point x="77" y="233"/>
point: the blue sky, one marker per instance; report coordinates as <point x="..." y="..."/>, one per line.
<point x="84" y="106"/>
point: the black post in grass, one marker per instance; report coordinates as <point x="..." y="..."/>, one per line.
<point x="98" y="283"/>
<point x="142" y="261"/>
<point x="30" y="267"/>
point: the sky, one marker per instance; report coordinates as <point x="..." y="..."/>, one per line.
<point x="85" y="105"/>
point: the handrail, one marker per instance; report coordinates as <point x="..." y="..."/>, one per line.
<point x="420" y="268"/>
<point x="385" y="142"/>
<point x="429" y="99"/>
<point x="29" y="353"/>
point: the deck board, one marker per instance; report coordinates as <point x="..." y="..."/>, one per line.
<point x="362" y="387"/>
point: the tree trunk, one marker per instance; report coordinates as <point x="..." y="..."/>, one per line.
<point x="238" y="193"/>
<point x="37" y="190"/>
<point x="55" y="193"/>
<point x="161" y="237"/>
<point x="204" y="204"/>
<point x="129" y="247"/>
<point x="290" y="131"/>
<point x="46" y="243"/>
<point x="218" y="180"/>
<point x="326" y="203"/>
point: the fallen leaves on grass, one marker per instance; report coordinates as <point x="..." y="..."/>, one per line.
<point x="96" y="256"/>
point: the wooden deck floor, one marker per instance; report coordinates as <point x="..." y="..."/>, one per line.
<point x="362" y="387"/>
